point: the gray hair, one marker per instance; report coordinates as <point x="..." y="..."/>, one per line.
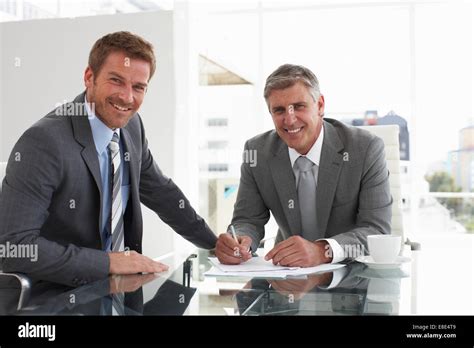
<point x="287" y="75"/>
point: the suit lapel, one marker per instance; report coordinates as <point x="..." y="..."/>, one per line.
<point x="83" y="135"/>
<point x="132" y="155"/>
<point x="132" y="218"/>
<point x="284" y="180"/>
<point x="330" y="167"/>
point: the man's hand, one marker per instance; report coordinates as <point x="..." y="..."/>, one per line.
<point x="299" y="252"/>
<point x="299" y="287"/>
<point x="131" y="262"/>
<point x="129" y="283"/>
<point x="229" y="252"/>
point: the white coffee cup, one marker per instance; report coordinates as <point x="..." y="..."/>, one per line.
<point x="384" y="248"/>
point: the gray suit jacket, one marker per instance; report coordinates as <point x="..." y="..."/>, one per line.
<point x="51" y="198"/>
<point x="353" y="196"/>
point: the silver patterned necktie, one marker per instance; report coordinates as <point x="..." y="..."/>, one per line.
<point x="118" y="304"/>
<point x="113" y="304"/>
<point x="116" y="213"/>
<point x="307" y="197"/>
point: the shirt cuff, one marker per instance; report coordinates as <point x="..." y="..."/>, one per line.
<point x="337" y="276"/>
<point x="337" y="251"/>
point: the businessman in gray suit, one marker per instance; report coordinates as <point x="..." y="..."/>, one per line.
<point x="75" y="179"/>
<point x="325" y="183"/>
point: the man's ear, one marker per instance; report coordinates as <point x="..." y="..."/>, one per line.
<point x="88" y="77"/>
<point x="321" y="105"/>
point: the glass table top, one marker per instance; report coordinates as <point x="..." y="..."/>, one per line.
<point x="417" y="287"/>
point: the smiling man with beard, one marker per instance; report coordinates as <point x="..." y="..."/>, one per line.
<point x="75" y="180"/>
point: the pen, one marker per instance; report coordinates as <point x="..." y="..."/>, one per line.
<point x="232" y="229"/>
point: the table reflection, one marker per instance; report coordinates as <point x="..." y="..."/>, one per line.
<point x="351" y="290"/>
<point x="171" y="298"/>
<point x="360" y="291"/>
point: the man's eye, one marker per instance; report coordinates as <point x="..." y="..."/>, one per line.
<point x="114" y="79"/>
<point x="139" y="88"/>
<point x="299" y="107"/>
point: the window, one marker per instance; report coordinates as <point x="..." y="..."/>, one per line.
<point x="217" y="145"/>
<point x="218" y="167"/>
<point x="217" y="122"/>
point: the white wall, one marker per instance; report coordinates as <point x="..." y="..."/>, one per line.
<point x="1" y="95"/>
<point x="53" y="56"/>
<point x="186" y="118"/>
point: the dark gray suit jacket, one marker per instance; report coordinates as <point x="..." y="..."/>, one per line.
<point x="353" y="195"/>
<point x="51" y="197"/>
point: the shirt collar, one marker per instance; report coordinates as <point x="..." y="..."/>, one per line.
<point x="100" y="132"/>
<point x="314" y="154"/>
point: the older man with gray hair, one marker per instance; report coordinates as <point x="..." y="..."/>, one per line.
<point x="325" y="183"/>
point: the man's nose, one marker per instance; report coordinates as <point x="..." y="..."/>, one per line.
<point x="290" y="116"/>
<point x="126" y="94"/>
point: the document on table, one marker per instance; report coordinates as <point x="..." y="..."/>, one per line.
<point x="255" y="264"/>
<point x="257" y="267"/>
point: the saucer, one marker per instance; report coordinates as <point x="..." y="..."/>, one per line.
<point x="367" y="260"/>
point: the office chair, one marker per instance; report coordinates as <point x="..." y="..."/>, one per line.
<point x="389" y="135"/>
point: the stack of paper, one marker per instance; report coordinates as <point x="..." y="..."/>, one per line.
<point x="257" y="267"/>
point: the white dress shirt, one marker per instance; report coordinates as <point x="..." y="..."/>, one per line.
<point x="314" y="154"/>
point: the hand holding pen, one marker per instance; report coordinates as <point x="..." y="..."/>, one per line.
<point x="232" y="249"/>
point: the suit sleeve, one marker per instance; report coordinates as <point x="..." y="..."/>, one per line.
<point x="34" y="173"/>
<point x="250" y="212"/>
<point x="163" y="196"/>
<point x="375" y="201"/>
